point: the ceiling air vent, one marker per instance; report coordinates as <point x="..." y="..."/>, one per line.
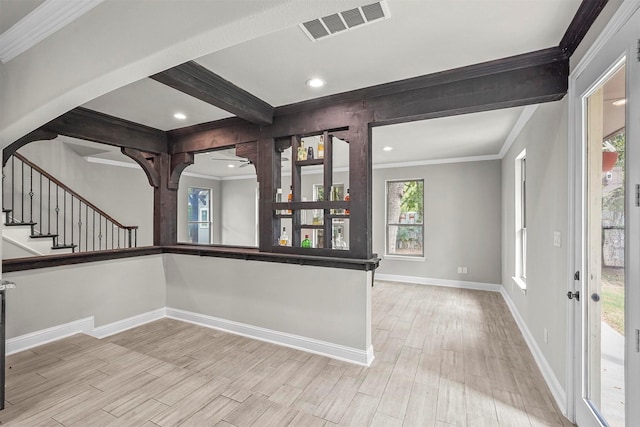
<point x="347" y="20"/>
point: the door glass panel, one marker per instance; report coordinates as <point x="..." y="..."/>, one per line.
<point x="605" y="298"/>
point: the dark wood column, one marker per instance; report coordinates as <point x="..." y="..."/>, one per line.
<point x="165" y="205"/>
<point x="268" y="164"/>
<point x="360" y="183"/>
<point x="163" y="171"/>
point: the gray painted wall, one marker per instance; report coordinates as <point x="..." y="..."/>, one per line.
<point x="109" y="290"/>
<point x="238" y="211"/>
<point x="543" y="305"/>
<point x="462" y="221"/>
<point x="326" y="304"/>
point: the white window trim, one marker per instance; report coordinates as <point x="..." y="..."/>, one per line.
<point x="519" y="276"/>
<point x="386" y="223"/>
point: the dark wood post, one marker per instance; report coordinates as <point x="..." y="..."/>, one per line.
<point x="165" y="204"/>
<point x="360" y="183"/>
<point x="268" y="181"/>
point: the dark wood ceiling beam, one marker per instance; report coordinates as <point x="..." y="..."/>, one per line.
<point x="195" y="80"/>
<point x="582" y="21"/>
<point x="210" y="136"/>
<point x="90" y="125"/>
<point x="512" y="88"/>
<point x="526" y="60"/>
<point x="515" y="81"/>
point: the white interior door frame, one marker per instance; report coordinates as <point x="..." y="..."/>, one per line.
<point x="613" y="44"/>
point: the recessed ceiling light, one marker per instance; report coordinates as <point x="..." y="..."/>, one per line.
<point x="619" y="102"/>
<point x="231" y="166"/>
<point x="180" y="116"/>
<point x="315" y="82"/>
<point x="387" y="148"/>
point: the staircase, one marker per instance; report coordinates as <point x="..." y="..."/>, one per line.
<point x="44" y="216"/>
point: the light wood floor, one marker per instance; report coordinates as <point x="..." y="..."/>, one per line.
<point x="443" y="357"/>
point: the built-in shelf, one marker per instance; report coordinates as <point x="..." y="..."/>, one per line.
<point x="312" y="162"/>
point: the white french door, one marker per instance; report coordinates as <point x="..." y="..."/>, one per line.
<point x="605" y="156"/>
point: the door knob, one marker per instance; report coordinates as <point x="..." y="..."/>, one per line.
<point x="595" y="297"/>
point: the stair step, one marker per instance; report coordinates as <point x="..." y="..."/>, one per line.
<point x="16" y="224"/>
<point x="64" y="246"/>
<point x="43" y="236"/>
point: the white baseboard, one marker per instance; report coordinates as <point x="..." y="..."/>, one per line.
<point x="557" y="390"/>
<point x="298" y="342"/>
<point x="335" y="351"/>
<point x="128" y="323"/>
<point x="34" y="339"/>
<point x="479" y="286"/>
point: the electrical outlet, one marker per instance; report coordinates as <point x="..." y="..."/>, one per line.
<point x="464" y="270"/>
<point x="546" y="336"/>
<point x="459" y="270"/>
<point x="557" y="239"/>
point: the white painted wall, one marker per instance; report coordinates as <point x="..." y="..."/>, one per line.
<point x="544" y="304"/>
<point x="326" y="304"/>
<point x="462" y="221"/>
<point x="109" y="290"/>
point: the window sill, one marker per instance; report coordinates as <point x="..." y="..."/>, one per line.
<point x="404" y="258"/>
<point x="521" y="283"/>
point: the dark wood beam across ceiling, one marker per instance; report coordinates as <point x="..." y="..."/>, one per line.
<point x="580" y="24"/>
<point x="525" y="79"/>
<point x="82" y="123"/>
<point x="197" y="81"/>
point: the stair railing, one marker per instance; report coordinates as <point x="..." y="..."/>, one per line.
<point x="53" y="210"/>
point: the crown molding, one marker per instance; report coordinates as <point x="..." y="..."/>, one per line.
<point x="43" y="21"/>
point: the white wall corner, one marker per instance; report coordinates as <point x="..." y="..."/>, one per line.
<point x="128" y="323"/>
<point x="478" y="286"/>
<point x="522" y="121"/>
<point x="34" y="339"/>
<point x="557" y="390"/>
<point x="323" y="348"/>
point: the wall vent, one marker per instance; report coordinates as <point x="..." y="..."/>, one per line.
<point x="347" y="20"/>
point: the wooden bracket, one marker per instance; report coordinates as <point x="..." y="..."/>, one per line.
<point x="37" y="135"/>
<point x="179" y="163"/>
<point x="147" y="162"/>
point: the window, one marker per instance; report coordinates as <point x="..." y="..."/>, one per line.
<point x="405" y="212"/>
<point x="199" y="215"/>
<point x="521" y="219"/>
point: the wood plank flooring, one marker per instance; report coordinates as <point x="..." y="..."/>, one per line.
<point x="443" y="357"/>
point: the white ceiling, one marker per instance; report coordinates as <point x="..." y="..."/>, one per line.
<point x="420" y="37"/>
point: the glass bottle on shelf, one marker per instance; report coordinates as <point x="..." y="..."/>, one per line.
<point x="306" y="243"/>
<point x="317" y="217"/>
<point x="278" y="199"/>
<point x="302" y="152"/>
<point x="335" y="196"/>
<point x="284" y="237"/>
<point x="321" y="147"/>
<point x="346" y="199"/>
<point x="339" y="243"/>
<point x="289" y="199"/>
